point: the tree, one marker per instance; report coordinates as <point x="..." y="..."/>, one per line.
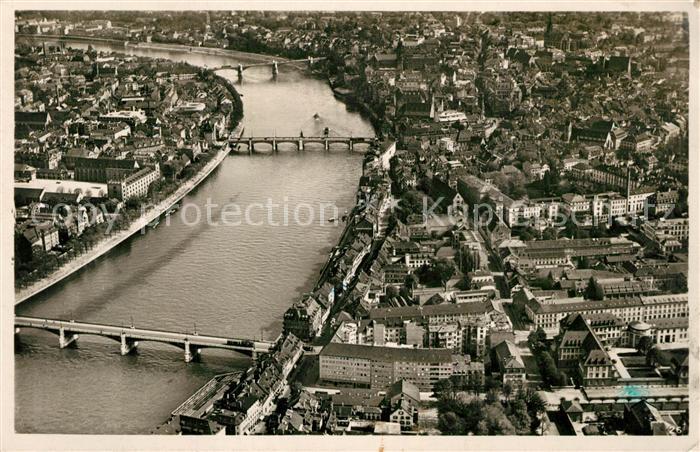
<point x="507" y="391"/>
<point x="519" y="416"/>
<point x="535" y="404"/>
<point x="537" y="339"/>
<point x="492" y="396"/>
<point x="444" y="270"/>
<point x="644" y="345"/>
<point x="593" y="290"/>
<point x="411" y="203"/>
<point x="444" y="389"/>
<point x="451" y="424"/>
<point x="526" y="235"/>
<point x="550" y="234"/>
<point x="495" y="422"/>
<point x="562" y="378"/>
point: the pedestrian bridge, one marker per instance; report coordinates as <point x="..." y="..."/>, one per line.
<point x="299" y="142"/>
<point x="129" y="337"/>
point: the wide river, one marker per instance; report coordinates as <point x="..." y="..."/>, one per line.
<point x="220" y="279"/>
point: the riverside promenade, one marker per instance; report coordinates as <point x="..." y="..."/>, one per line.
<point x="139" y="224"/>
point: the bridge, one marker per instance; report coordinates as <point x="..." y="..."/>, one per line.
<point x="129" y="337"/>
<point x="274" y="64"/>
<point x="300" y="141"/>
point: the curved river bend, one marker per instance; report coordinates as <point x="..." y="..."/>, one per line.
<point x="228" y="280"/>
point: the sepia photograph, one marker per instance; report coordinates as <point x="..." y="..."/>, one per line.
<point x="336" y="222"/>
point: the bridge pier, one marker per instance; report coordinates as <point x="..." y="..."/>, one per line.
<point x="275" y="69"/>
<point x="240" y="72"/>
<point x="191" y="352"/>
<point x="128" y="345"/>
<point x="250" y="146"/>
<point x="326" y="145"/>
<point x="66" y="338"/>
<point x="274" y="145"/>
<point x="300" y="145"/>
<point x="351" y="145"/>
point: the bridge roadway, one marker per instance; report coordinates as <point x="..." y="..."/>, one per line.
<point x="273" y="63"/>
<point x="326" y="141"/>
<point x="129" y="337"/>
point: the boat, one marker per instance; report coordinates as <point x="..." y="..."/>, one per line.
<point x="331" y="220"/>
<point x="317" y="116"/>
<point x="154" y="224"/>
<point x="172" y="209"/>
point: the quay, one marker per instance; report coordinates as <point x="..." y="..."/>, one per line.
<point x="139" y="224"/>
<point x="129" y="337"/>
<point x="195" y="409"/>
<point x="299" y="142"/>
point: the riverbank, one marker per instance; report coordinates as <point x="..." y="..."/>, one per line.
<point x="140" y="224"/>
<point x="234" y="54"/>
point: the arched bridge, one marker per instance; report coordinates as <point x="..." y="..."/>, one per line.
<point x="129" y="337"/>
<point x="274" y="64"/>
<point x="299" y="142"/>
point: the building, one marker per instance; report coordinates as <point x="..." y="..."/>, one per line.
<point x="402" y="400"/>
<point x="135" y="185"/>
<point x="305" y="318"/>
<point x="643" y="418"/>
<point x="511" y="366"/>
<point x="24" y="172"/>
<point x="471" y="373"/>
<point x="581" y="352"/>
<point x="42" y="235"/>
<point x="103" y="169"/>
<point x="668" y="234"/>
<point x="555" y="253"/>
<point x="439" y="313"/>
<point x="547" y="315"/>
<point x="379" y="367"/>
<point x="33" y="120"/>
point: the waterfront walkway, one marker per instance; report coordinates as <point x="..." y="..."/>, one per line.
<point x="139" y="224"/>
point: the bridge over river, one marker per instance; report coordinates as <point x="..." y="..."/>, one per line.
<point x="299" y="141"/>
<point x="129" y="337"/>
<point x="274" y="64"/>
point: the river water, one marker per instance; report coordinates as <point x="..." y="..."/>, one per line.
<point x="224" y="279"/>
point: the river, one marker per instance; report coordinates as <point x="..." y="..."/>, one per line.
<point x="216" y="278"/>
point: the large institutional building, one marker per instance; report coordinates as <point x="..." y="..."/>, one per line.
<point x="379" y="367"/>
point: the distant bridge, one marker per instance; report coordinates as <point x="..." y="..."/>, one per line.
<point x="274" y="64"/>
<point x="300" y="141"/>
<point x="129" y="337"/>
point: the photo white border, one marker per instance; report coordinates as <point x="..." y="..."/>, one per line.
<point x="9" y="440"/>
